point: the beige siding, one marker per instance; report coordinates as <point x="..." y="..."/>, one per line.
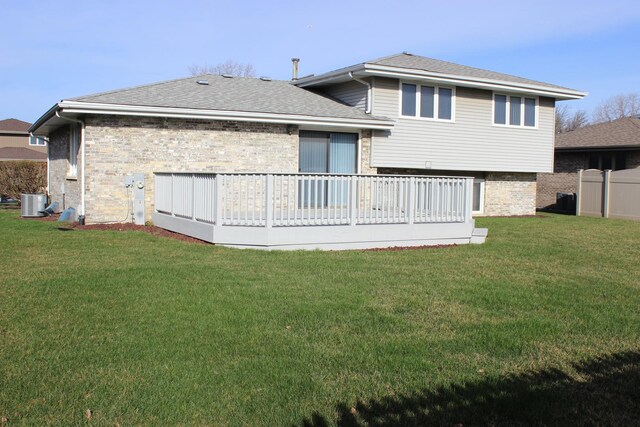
<point x="470" y="143"/>
<point x="351" y="93"/>
<point x="19" y="141"/>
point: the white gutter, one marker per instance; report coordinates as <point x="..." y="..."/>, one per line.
<point x="368" y="85"/>
<point x="75" y="107"/>
<point x="82" y="159"/>
<point x="477" y="82"/>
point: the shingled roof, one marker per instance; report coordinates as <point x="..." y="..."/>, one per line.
<point x="239" y="94"/>
<point x="406" y="65"/>
<point x="618" y="133"/>
<point x="407" y="60"/>
<point x="14" y="126"/>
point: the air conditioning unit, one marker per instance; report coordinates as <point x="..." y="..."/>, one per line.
<point x="32" y="204"/>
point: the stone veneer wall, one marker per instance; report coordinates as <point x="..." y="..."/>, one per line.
<point x="509" y="193"/>
<point x="505" y="193"/>
<point x="58" y="170"/>
<point x="118" y="145"/>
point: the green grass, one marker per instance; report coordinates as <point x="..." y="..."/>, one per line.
<point x="539" y="325"/>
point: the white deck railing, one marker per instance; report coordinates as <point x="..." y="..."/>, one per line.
<point x="281" y="200"/>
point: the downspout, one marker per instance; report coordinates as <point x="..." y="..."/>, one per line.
<point x="48" y="169"/>
<point x="368" y="85"/>
<point x="82" y="176"/>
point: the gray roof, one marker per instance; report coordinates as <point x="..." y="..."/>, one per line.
<point x="618" y="133"/>
<point x="240" y="94"/>
<point x="421" y="63"/>
<point x="407" y="60"/>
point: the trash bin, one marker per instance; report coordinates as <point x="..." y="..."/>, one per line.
<point x="566" y="202"/>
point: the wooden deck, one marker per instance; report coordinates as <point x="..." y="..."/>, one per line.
<point x="321" y="211"/>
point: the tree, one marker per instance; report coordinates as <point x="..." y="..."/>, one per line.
<point x="231" y="67"/>
<point x="567" y="121"/>
<point x="617" y="107"/>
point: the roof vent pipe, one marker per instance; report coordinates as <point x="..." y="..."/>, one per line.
<point x="295" y="68"/>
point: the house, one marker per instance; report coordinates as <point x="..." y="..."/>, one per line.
<point x="611" y="145"/>
<point x="17" y="144"/>
<point x="403" y="114"/>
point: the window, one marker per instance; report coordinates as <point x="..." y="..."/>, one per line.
<point x="514" y="110"/>
<point x="35" y="140"/>
<point x="74" y="135"/>
<point x="428" y="102"/>
<point x="478" y="195"/>
<point x="326" y="152"/>
<point x="607" y="160"/>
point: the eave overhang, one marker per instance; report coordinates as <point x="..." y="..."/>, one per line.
<point x="50" y="121"/>
<point x="369" y="70"/>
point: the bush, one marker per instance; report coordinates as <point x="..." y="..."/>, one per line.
<point x="22" y="176"/>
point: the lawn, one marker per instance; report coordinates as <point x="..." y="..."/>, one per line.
<point x="540" y="325"/>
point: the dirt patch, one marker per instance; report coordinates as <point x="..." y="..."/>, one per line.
<point x="127" y="226"/>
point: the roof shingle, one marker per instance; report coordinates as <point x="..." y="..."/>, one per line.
<point x="406" y="60"/>
<point x="618" y="133"/>
<point x="240" y="94"/>
<point x="14" y="125"/>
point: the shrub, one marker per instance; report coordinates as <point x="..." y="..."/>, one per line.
<point x="22" y="176"/>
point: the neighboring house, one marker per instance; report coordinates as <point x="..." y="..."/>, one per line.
<point x="17" y="144"/>
<point x="403" y="114"/>
<point x="612" y="145"/>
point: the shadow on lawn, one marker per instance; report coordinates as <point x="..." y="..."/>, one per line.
<point x="606" y="393"/>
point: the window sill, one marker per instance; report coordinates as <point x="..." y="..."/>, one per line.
<point x="426" y="119"/>
<point x="71" y="178"/>
<point x="514" y="127"/>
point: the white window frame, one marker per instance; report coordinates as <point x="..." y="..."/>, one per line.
<point x="481" y="181"/>
<point x="74" y="141"/>
<point x="436" y="101"/>
<point x="508" y="112"/>
<point x="37" y="141"/>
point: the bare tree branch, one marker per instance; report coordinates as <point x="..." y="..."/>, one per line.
<point x="617" y="107"/>
<point x="231" y="67"/>
<point x="567" y="121"/>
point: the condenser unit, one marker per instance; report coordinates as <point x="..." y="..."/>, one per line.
<point x="33" y="204"/>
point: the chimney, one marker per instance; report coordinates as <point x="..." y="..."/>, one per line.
<point x="295" y="68"/>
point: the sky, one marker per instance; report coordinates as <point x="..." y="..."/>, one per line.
<point x="53" y="50"/>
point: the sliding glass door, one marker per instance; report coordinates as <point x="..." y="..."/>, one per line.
<point x="326" y="152"/>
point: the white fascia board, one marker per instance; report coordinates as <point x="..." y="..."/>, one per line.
<point x="491" y="84"/>
<point x="43" y="119"/>
<point x="76" y="107"/>
<point x="327" y="77"/>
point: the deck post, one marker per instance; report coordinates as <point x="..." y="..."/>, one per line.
<point x="269" y="195"/>
<point x="411" y="194"/>
<point x="353" y="200"/>
<point x="217" y="197"/>
<point x="193" y="196"/>
<point x="171" y="194"/>
<point x="468" y="208"/>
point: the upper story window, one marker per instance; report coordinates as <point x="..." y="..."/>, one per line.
<point x="74" y="142"/>
<point x="34" y="140"/>
<point x="427" y="102"/>
<point x="513" y="110"/>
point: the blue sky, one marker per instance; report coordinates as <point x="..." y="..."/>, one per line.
<point x="50" y="50"/>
